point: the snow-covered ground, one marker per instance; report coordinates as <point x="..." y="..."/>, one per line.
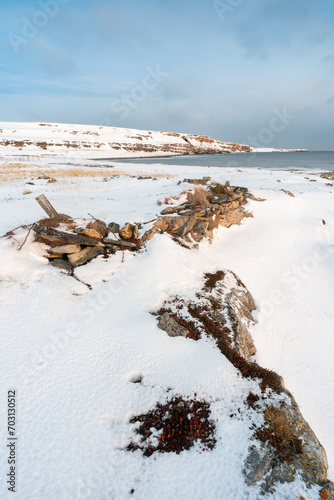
<point x="84" y="142"/>
<point x="71" y="353"/>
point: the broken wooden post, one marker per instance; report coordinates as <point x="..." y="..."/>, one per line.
<point x="47" y="207"/>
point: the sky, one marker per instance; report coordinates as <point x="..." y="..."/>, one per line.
<point x="258" y="72"/>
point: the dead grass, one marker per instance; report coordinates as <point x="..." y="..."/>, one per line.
<point x="280" y="434"/>
<point x="12" y="172"/>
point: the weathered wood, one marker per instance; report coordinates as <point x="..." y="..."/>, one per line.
<point x="90" y="233"/>
<point x="49" y="234"/>
<point x="120" y="243"/>
<point x="66" y="249"/>
<point x="84" y="256"/>
<point x="47" y="207"/>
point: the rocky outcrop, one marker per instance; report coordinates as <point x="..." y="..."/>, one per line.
<point x="262" y="464"/>
<point x="171" y="327"/>
<point x="106" y="142"/>
<point x="285" y="446"/>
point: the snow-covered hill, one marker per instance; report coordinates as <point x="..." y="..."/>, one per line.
<point x="91" y="141"/>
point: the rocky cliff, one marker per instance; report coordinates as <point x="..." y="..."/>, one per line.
<point x="87" y="141"/>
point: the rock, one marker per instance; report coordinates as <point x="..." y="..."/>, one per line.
<point x="135" y="231"/>
<point x="258" y="463"/>
<point x="114" y="227"/>
<point x="311" y="464"/>
<point x="161" y="224"/>
<point x="172" y="327"/>
<point x="327" y="492"/>
<point x="288" y="192"/>
<point x="126" y="231"/>
<point x="66" y="249"/>
<point x="240" y="304"/>
<point x="99" y="226"/>
<point x="84" y="256"/>
<point x="64" y="265"/>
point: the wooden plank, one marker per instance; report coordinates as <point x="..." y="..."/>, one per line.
<point x="49" y="234"/>
<point x="47" y="207"/>
<point x="120" y="243"/>
<point x="84" y="256"/>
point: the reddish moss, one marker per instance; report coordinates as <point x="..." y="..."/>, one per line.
<point x="238" y="280"/>
<point x="182" y="422"/>
<point x="248" y="369"/>
<point x="212" y="278"/>
<point x="252" y="399"/>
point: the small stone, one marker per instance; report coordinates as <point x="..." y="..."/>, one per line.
<point x="126" y="232"/>
<point x="135" y="231"/>
<point x="171" y="327"/>
<point x="114" y="227"/>
<point x="99" y="226"/>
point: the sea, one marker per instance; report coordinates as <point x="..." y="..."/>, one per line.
<point x="310" y="160"/>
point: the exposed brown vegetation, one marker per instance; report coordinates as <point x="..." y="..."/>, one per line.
<point x="181" y="423"/>
<point x="280" y="434"/>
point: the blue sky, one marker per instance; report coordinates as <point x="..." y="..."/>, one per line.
<point x="224" y="68"/>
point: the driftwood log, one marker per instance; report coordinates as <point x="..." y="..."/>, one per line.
<point x="47" y="207"/>
<point x="53" y="237"/>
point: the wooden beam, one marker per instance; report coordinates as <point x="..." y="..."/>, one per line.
<point x="47" y="207"/>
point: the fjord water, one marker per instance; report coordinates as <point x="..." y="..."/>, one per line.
<point x="318" y="160"/>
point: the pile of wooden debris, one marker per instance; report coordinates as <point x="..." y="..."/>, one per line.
<point x="205" y="209"/>
<point x="72" y="245"/>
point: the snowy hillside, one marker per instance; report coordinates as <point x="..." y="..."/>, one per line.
<point x="90" y="142"/>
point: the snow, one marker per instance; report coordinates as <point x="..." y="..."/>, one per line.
<point x="73" y="354"/>
<point x="77" y="143"/>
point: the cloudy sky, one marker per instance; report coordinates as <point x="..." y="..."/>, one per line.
<point x="259" y="72"/>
